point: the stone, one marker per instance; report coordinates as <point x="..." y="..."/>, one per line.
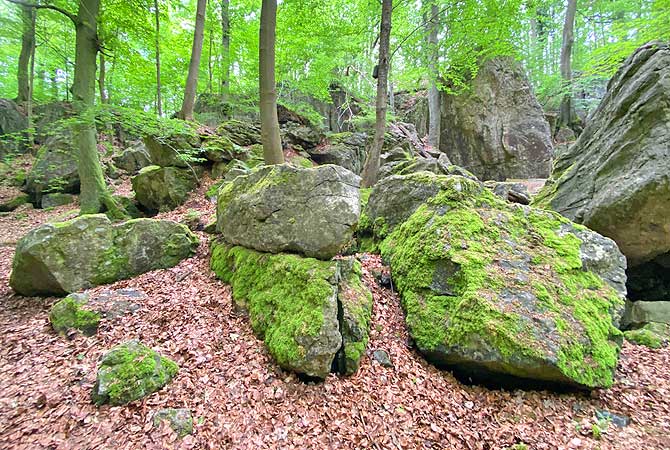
<point x="304" y="136"/>
<point x="511" y="191"/>
<point x="281" y="208"/>
<point x="652" y="335"/>
<point x="345" y="149"/>
<point x="220" y="148"/>
<point x="57" y="199"/>
<point x="70" y="313"/>
<point x="48" y="117"/>
<point x="133" y="158"/>
<point x="61" y="258"/>
<point x="502" y="292"/>
<point x="382" y="357"/>
<point x="497" y="129"/>
<point x="294" y="305"/>
<point x="131" y="371"/>
<point x="614" y="179"/>
<point x="174" y="150"/>
<point x="616" y="419"/>
<point x="212" y="109"/>
<point x="179" y="419"/>
<point x="12" y="124"/>
<point x="115" y="303"/>
<point x="130" y="205"/>
<point x="12" y="201"/>
<point x="240" y="133"/>
<point x="163" y="188"/>
<point x="55" y="168"/>
<point x="395" y="154"/>
<point x="641" y="313"/>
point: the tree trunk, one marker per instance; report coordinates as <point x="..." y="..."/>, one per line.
<point x="159" y="100"/>
<point x="210" y="72"/>
<point x="225" y="48"/>
<point x="371" y="169"/>
<point x="272" y="151"/>
<point x="186" y="111"/>
<point x="567" y="115"/>
<point x="104" y="99"/>
<point x="94" y="196"/>
<point x="433" y="92"/>
<point x="27" y="44"/>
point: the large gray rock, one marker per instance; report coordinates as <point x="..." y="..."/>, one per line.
<point x="173" y="150"/>
<point x="346" y="149"/>
<point x="55" y="168"/>
<point x="286" y="209"/>
<point x="616" y="178"/>
<point x="133" y="158"/>
<point x="497" y="130"/>
<point x="163" y="188"/>
<point x="12" y="122"/>
<point x="641" y="313"/>
<point x="504" y="292"/>
<point x="240" y="132"/>
<point x="47" y="118"/>
<point x="293" y="305"/>
<point x="60" y="258"/>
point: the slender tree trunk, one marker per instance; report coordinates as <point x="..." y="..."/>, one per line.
<point x="272" y="151"/>
<point x="371" y="168"/>
<point x="27" y="45"/>
<point x="433" y="92"/>
<point x="159" y="100"/>
<point x="186" y="111"/>
<point x="225" y="48"/>
<point x="567" y="114"/>
<point x="209" y="63"/>
<point x="104" y="99"/>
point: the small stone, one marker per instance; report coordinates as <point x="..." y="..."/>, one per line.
<point x="56" y="199"/>
<point x="69" y="314"/>
<point x="179" y="419"/>
<point x="617" y="420"/>
<point x="382" y="357"/>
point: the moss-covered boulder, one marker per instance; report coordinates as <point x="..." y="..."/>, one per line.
<point x="502" y="291"/>
<point x="70" y="313"/>
<point x="293" y="304"/>
<point x="287" y="209"/>
<point x="60" y="258"/>
<point x="179" y="419"/>
<point x="133" y="158"/>
<point x="55" y="168"/>
<point x="652" y="335"/>
<point x="12" y="200"/>
<point x="240" y="132"/>
<point x="176" y="149"/>
<point x="57" y="199"/>
<point x="129" y="372"/>
<point x="163" y="188"/>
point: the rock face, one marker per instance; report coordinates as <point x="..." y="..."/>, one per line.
<point x="60" y="258"/>
<point x="497" y="130"/>
<point x="281" y="208"/>
<point x="346" y="149"/>
<point x="12" y="121"/>
<point x="293" y="305"/>
<point x="496" y="290"/>
<point x="163" y="188"/>
<point x="129" y="372"/>
<point x="616" y="178"/>
<point x="133" y="158"/>
<point x="55" y="168"/>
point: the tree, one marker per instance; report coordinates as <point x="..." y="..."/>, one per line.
<point x="270" y="137"/>
<point x="159" y="100"/>
<point x="567" y="112"/>
<point x="94" y="196"/>
<point x="24" y="93"/>
<point x="371" y="168"/>
<point x="186" y="111"/>
<point x="433" y="92"/>
<point x="225" y="48"/>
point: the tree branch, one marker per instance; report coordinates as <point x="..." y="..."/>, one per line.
<point x="66" y="13"/>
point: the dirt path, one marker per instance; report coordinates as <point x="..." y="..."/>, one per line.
<point x="241" y="399"/>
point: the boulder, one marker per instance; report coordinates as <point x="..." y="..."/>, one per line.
<point x="177" y="149"/>
<point x="179" y="419"/>
<point x="133" y="158"/>
<point x="286" y="209"/>
<point x="346" y="149"/>
<point x="55" y="168"/>
<point x="163" y="188"/>
<point x="12" y="123"/>
<point x="11" y="200"/>
<point x="65" y="257"/>
<point x="70" y="313"/>
<point x="641" y="313"/>
<point x="240" y="133"/>
<point x="509" y="190"/>
<point x="46" y="117"/>
<point x="56" y="199"/>
<point x="652" y="335"/>
<point x="412" y="107"/>
<point x="303" y="136"/>
<point x="131" y="371"/>
<point x="497" y="129"/>
<point x="293" y="305"/>
<point x="220" y="148"/>
<point x="615" y="178"/>
<point x="503" y="292"/>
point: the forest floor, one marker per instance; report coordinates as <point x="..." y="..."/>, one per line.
<point x="240" y="399"/>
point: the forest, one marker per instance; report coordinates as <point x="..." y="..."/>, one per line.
<point x="344" y="224"/>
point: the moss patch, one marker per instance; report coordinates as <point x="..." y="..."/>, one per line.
<point x="69" y="313"/>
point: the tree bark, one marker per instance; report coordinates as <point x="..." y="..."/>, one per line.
<point x="567" y="114"/>
<point x="104" y="99"/>
<point x="186" y="111"/>
<point x="433" y="92"/>
<point x="210" y="71"/>
<point x="225" y="48"/>
<point x="270" y="137"/>
<point x="159" y="100"/>
<point x="24" y="93"/>
<point x="371" y="168"/>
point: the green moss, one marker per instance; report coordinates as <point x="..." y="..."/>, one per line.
<point x="69" y="314"/>
<point x="644" y="337"/>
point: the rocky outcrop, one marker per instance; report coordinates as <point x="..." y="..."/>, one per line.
<point x="60" y="258"/>
<point x="615" y="178"/>
<point x="12" y="123"/>
<point x="55" y="168"/>
<point x="294" y="304"/>
<point x="311" y="211"/>
<point x="498" y="291"/>
<point x="133" y="158"/>
<point x="175" y="150"/>
<point x="346" y="149"/>
<point x="46" y="117"/>
<point x="131" y="371"/>
<point x="497" y="129"/>
<point x="240" y="132"/>
<point x="163" y="188"/>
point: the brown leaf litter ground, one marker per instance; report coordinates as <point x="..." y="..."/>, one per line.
<point x="240" y="399"/>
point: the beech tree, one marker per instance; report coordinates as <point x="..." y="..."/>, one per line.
<point x="567" y="111"/>
<point x="270" y="137"/>
<point x="371" y="168"/>
<point x="24" y="93"/>
<point x="190" y="91"/>
<point x="432" y="23"/>
<point x="225" y="48"/>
